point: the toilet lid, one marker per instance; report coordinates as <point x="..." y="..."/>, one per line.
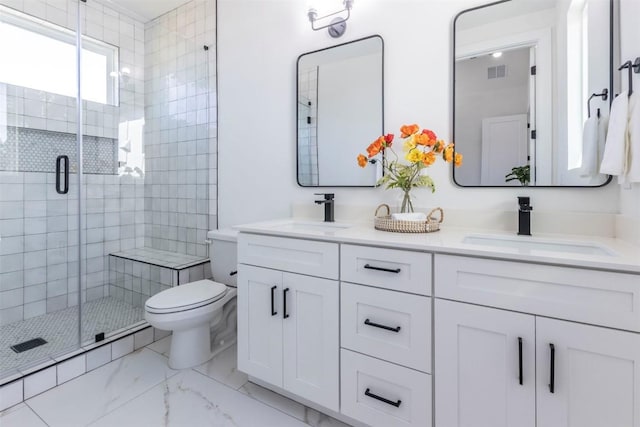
<point x="186" y="297"/>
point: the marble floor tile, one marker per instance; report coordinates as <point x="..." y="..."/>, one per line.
<point x="191" y="399"/>
<point x="91" y="396"/>
<point x="20" y="416"/>
<point x="223" y="368"/>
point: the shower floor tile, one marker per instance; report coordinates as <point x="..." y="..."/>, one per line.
<point x="60" y="330"/>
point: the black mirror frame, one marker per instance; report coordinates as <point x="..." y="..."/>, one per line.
<point x="453" y="95"/>
<point x="298" y="111"/>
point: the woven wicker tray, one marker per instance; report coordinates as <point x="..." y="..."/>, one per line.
<point x="387" y="223"/>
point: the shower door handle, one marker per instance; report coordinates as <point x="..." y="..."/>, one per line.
<point x="62" y="188"/>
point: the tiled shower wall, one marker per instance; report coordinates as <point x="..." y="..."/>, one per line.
<point x="180" y="129"/>
<point x="38" y="227"/>
<point x="307" y="126"/>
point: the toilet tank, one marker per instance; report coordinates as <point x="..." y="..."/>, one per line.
<point x="223" y="255"/>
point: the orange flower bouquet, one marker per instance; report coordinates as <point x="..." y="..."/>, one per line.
<point x="421" y="149"/>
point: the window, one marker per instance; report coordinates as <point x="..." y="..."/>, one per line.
<point x="42" y="56"/>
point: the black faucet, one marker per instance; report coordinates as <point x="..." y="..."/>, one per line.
<point x="524" y="216"/>
<point x="328" y="206"/>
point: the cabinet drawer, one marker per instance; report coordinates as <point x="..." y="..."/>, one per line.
<point x="382" y="394"/>
<point x="387" y="268"/>
<point x="589" y="296"/>
<point x="297" y="256"/>
<point x="390" y="325"/>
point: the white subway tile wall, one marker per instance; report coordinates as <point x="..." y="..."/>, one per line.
<point x="39" y="247"/>
<point x="180" y="129"/>
<point x="308" y="126"/>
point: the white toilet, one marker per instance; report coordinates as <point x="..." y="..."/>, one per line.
<point x="203" y="312"/>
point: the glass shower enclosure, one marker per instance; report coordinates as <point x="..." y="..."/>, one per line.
<point x="93" y="221"/>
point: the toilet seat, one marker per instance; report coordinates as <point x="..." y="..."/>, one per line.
<point x="186" y="297"/>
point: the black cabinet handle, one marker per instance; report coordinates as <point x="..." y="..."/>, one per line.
<point x="552" y="369"/>
<point x="382" y="399"/>
<point x="520" y="360"/>
<point x="388" y="270"/>
<point x="273" y="310"/>
<point x="377" y="325"/>
<point x="233" y="273"/>
<point x="59" y="161"/>
<point x="284" y="304"/>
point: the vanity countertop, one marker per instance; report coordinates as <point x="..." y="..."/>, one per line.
<point x="449" y="240"/>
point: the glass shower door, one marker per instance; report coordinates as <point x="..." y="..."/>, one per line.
<point x="113" y="170"/>
<point x="39" y="232"/>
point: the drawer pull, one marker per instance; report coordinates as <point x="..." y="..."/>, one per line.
<point x="388" y="270"/>
<point x="382" y="399"/>
<point x="377" y="325"/>
<point x="552" y="369"/>
<point x="273" y="309"/>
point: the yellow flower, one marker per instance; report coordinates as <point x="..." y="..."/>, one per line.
<point x="414" y="156"/>
<point x="408" y="145"/>
<point x="428" y="158"/>
<point x="447" y="154"/>
<point x="458" y="159"/>
<point x="439" y="146"/>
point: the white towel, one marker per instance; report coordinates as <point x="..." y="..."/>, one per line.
<point x="410" y="216"/>
<point x="614" y="161"/>
<point x="633" y="171"/>
<point x="590" y="136"/>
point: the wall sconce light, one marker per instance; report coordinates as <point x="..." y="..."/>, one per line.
<point x="338" y="25"/>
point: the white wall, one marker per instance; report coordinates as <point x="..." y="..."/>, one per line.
<point x="258" y="44"/>
<point x="629" y="50"/>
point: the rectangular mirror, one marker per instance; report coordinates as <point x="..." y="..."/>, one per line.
<point x="528" y="74"/>
<point x="339" y="111"/>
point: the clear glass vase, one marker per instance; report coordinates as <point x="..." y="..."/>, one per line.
<point x="406" y="201"/>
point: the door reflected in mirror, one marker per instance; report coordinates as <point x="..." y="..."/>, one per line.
<point x="524" y="75"/>
<point x="339" y="109"/>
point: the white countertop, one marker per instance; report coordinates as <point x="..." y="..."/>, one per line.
<point x="449" y="240"/>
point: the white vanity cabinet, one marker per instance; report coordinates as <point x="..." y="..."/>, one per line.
<point x="496" y="367"/>
<point x="288" y="331"/>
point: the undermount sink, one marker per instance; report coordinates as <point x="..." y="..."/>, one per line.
<point x="532" y="243"/>
<point x="310" y="226"/>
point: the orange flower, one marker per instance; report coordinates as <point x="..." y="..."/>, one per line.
<point x="428" y="158"/>
<point x="439" y="146"/>
<point x="458" y="159"/>
<point x="423" y="139"/>
<point x="375" y="147"/>
<point x="362" y="160"/>
<point x="447" y="154"/>
<point x="408" y="130"/>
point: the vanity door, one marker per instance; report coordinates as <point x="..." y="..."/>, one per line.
<point x="484" y="366"/>
<point x="260" y="323"/>
<point x="311" y="339"/>
<point x="595" y="380"/>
